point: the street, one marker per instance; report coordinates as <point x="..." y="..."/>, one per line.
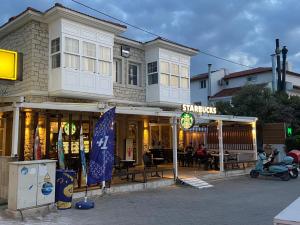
<point x="238" y="201"/>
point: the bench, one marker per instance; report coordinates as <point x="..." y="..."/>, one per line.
<point x="148" y="170"/>
<point x="236" y="164"/>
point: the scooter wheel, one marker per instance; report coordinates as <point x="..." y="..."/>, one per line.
<point x="285" y="176"/>
<point x="254" y="174"/>
<point x="294" y="173"/>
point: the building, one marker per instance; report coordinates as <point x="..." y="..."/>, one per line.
<point x="74" y="67"/>
<point x="224" y="85"/>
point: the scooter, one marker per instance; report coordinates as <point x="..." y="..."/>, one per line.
<point x="286" y="161"/>
<point x="281" y="171"/>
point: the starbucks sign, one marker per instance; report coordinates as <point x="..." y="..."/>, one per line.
<point x="187" y="120"/>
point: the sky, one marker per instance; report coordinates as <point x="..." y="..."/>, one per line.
<point x="239" y="30"/>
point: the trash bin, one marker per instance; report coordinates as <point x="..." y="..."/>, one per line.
<point x="64" y="188"/>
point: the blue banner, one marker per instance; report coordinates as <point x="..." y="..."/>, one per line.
<point x="102" y="154"/>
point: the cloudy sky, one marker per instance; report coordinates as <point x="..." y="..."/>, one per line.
<point x="239" y="30"/>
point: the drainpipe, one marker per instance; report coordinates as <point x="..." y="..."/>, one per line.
<point x="15" y="130"/>
<point x="274" y="80"/>
<point x="209" y="83"/>
<point x="284" y="53"/>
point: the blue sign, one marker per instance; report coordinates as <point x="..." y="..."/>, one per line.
<point x="102" y="154"/>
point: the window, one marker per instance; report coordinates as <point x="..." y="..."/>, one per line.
<point x="105" y="61"/>
<point x="55" y="46"/>
<point x="184" y="77"/>
<point x="175" y="69"/>
<point x="152" y="67"/>
<point x="174" y="82"/>
<point x="72" y="58"/>
<point x="72" y="61"/>
<point x="152" y="73"/>
<point x="89" y="57"/>
<point x="184" y="82"/>
<point x="105" y="53"/>
<point x="251" y="78"/>
<point x="164" y="73"/>
<point x="55" y="53"/>
<point x="203" y="84"/>
<point x="117" y="71"/>
<point x="133" y="74"/>
<point x="104" y="68"/>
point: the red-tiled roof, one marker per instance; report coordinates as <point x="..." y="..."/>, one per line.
<point x="228" y="92"/>
<point x="257" y="70"/>
<point x="248" y="72"/>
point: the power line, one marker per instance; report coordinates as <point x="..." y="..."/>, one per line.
<point x="154" y="34"/>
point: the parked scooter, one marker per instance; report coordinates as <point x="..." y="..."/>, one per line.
<point x="281" y="171"/>
<point x="286" y="161"/>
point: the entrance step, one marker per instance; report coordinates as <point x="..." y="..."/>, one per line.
<point x="195" y="182"/>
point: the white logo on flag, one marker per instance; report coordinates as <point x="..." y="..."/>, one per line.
<point x="103" y="143"/>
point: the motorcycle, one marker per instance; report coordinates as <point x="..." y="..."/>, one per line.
<point x="287" y="161"/>
<point x="264" y="167"/>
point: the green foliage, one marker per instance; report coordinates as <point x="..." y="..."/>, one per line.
<point x="260" y="102"/>
<point x="293" y="143"/>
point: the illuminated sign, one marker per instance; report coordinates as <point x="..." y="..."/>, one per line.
<point x="289" y="131"/>
<point x="67" y="128"/>
<point x="187" y="120"/>
<point x="10" y="65"/>
<point x="199" y="109"/>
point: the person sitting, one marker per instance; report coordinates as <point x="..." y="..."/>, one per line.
<point x="202" y="156"/>
<point x="189" y="152"/>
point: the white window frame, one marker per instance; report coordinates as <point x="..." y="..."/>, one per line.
<point x="85" y="56"/>
<point x="56" y="53"/>
<point x="65" y="52"/>
<point x="110" y="60"/>
<point x="153" y="73"/>
<point x="138" y="74"/>
<point x="117" y="77"/>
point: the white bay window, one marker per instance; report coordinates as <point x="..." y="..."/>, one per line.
<point x="185" y="77"/>
<point x="89" y="57"/>
<point x="164" y="73"/>
<point x="105" y="61"/>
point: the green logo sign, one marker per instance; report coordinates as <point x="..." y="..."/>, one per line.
<point x="67" y="128"/>
<point x="289" y="131"/>
<point x="187" y="120"/>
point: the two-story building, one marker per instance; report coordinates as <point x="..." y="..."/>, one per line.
<point x="75" y="66"/>
<point x="221" y="85"/>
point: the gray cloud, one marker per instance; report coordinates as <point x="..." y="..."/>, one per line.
<point x="240" y="30"/>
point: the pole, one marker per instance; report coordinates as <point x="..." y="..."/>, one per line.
<point x="284" y="53"/>
<point x="254" y="141"/>
<point x="174" y="131"/>
<point x="209" y="83"/>
<point x="277" y="52"/>
<point x="221" y="150"/>
<point x="15" y="131"/>
<point x="274" y="80"/>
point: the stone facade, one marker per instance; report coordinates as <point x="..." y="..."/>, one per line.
<point x="31" y="40"/>
<point x="123" y="90"/>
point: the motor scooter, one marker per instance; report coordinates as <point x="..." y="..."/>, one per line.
<point x="287" y="161"/>
<point x="281" y="171"/>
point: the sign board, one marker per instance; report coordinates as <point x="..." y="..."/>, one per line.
<point x="125" y="51"/>
<point x="129" y="149"/>
<point x="187" y="120"/>
<point x="10" y="65"/>
<point x="199" y="109"/>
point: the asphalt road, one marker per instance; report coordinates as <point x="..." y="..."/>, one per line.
<point x="239" y="201"/>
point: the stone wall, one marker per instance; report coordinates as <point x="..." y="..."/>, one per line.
<point x="31" y="40"/>
<point x="123" y="90"/>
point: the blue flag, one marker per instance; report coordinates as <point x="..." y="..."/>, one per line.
<point x="102" y="154"/>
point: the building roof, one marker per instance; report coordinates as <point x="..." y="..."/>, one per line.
<point x="228" y="92"/>
<point x="248" y="72"/>
<point x="253" y="71"/>
<point x="63" y="7"/>
<point x="199" y="76"/>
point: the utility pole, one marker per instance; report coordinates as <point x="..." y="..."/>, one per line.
<point x="277" y="52"/>
<point x="284" y="53"/>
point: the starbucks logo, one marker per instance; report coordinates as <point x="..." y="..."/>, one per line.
<point x="187" y="120"/>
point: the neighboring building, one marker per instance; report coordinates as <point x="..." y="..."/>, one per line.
<point x="224" y="85"/>
<point x="75" y="66"/>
